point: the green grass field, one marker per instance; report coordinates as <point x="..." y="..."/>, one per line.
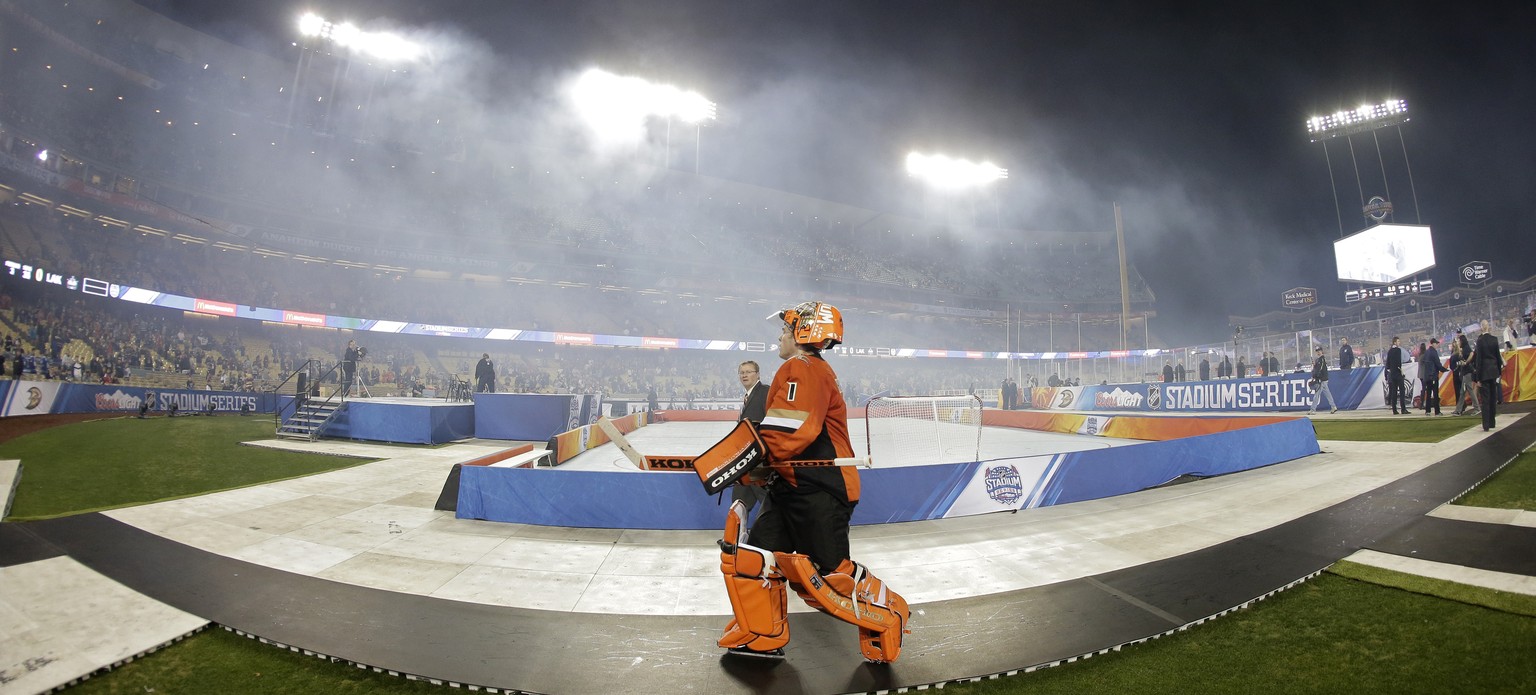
<point x="1355" y="629"/>
<point x="1511" y="488"/>
<point x="104" y="464"/>
<point x="1330" y="635"/>
<point x="1405" y="428"/>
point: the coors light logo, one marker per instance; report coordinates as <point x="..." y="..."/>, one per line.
<point x="1118" y="398"/>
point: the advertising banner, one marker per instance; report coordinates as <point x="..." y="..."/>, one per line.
<point x="41" y="397"/>
<point x="1286" y="392"/>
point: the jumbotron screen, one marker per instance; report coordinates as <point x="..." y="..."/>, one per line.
<point x="1384" y="253"/>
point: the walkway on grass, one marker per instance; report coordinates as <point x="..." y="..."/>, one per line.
<point x="357" y="565"/>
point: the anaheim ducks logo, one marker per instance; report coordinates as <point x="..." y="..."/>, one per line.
<point x="1064" y="398"/>
<point x="34" y="398"/>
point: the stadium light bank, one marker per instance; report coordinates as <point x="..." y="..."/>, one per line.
<point x="378" y="44"/>
<point x="950" y="173"/>
<point x="1364" y="119"/>
<point x="616" y="108"/>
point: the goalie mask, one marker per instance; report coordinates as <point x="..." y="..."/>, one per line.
<point x="816" y="324"/>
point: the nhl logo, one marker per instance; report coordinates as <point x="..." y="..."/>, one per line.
<point x="1154" y="396"/>
<point x="1004" y="485"/>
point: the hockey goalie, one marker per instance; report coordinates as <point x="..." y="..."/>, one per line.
<point x="800" y="540"/>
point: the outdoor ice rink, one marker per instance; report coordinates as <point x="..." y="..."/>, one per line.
<point x="692" y="438"/>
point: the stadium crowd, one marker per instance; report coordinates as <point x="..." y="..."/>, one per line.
<point x="498" y="247"/>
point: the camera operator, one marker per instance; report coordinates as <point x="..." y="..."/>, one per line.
<point x="349" y="359"/>
<point x="485" y="375"/>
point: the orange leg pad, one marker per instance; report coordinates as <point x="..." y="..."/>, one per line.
<point x="852" y="595"/>
<point x="756" y="589"/>
<point x="761" y="607"/>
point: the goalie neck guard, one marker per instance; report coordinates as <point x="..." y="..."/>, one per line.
<point x="816" y="324"/>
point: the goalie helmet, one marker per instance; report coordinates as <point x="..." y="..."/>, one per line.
<point x="817" y="324"/>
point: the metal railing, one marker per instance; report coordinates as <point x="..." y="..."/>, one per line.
<point x="313" y="379"/>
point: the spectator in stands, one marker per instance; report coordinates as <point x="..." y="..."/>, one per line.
<point x="18" y="363"/>
<point x="485" y="374"/>
<point x="1346" y="356"/>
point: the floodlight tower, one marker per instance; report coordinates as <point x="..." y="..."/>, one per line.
<point x="383" y="46"/>
<point x="1368" y="118"/>
<point x="616" y="108"/>
<point x="955" y="176"/>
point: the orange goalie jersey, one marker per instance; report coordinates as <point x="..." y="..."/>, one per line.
<point x="808" y="420"/>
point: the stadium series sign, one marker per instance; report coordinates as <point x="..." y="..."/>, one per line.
<point x="1299" y="297"/>
<point x="1476" y="272"/>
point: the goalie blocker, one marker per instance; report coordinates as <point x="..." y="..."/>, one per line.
<point x="735" y="455"/>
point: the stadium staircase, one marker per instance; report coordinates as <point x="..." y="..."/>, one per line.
<point x="312" y="413"/>
<point x="309" y="418"/>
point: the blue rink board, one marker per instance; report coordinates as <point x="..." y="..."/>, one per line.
<point x="531" y="417"/>
<point x="600" y="499"/>
<point x="435" y="423"/>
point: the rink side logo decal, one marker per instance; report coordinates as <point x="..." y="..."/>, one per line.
<point x="1004" y="485"/>
<point x="1154" y="397"/>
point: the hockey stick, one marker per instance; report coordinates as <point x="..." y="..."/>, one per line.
<point x="740" y="451"/>
<point x="622" y="442"/>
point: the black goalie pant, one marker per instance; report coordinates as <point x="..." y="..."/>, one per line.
<point x="809" y="521"/>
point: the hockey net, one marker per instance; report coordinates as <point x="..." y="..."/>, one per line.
<point x="920" y="430"/>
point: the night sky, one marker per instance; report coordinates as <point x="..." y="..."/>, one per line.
<point x="1193" y="118"/>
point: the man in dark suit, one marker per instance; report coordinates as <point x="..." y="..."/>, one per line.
<point x="754" y="407"/>
<point x="1205" y="369"/>
<point x="1394" y="375"/>
<point x="1346" y="356"/>
<point x="485" y="374"/>
<point x="1429" y="374"/>
<point x="1167" y="372"/>
<point x="1487" y="367"/>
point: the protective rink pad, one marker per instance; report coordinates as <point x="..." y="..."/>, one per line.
<point x="605" y="497"/>
<point x="690" y="438"/>
<point x="60" y="620"/>
<point x="1293" y="519"/>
